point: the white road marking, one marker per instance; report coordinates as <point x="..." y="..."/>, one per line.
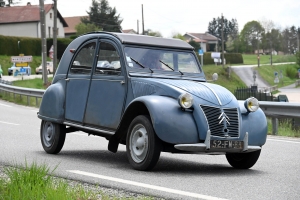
<point x="159" y="188"/>
<point x="5" y="105"/>
<point x="288" y="141"/>
<point x="9" y="123"/>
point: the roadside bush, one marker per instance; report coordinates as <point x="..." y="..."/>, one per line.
<point x="291" y="72"/>
<point x="232" y="58"/>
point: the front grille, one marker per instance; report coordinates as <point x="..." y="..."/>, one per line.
<point x="223" y="129"/>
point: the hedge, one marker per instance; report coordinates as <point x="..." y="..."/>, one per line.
<point x="231" y="58"/>
<point x="30" y="46"/>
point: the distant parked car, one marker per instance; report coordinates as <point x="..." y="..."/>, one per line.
<point x="11" y="69"/>
<point x="151" y="95"/>
<point x="39" y="70"/>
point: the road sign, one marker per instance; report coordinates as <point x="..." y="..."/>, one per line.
<point x="24" y="64"/>
<point x="275" y="73"/>
<point x="200" y="52"/>
<point x="16" y="59"/>
<point x="276" y="80"/>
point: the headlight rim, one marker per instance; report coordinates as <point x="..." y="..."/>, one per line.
<point x="251" y="99"/>
<point x="188" y="96"/>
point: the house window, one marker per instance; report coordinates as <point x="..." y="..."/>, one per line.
<point x="50" y="15"/>
<point x="49" y="31"/>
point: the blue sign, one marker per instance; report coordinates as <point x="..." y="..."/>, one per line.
<point x="299" y="70"/>
<point x="200" y="52"/>
<point x="275" y="73"/>
<point x="22" y="70"/>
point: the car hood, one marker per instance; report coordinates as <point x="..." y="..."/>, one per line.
<point x="212" y="93"/>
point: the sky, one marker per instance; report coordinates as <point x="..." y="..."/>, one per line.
<point x="173" y="16"/>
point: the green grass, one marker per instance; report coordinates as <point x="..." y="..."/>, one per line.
<point x="284" y="128"/>
<point x="267" y="73"/>
<point x="231" y="83"/>
<point x="34" y="182"/>
<point x="36" y="83"/>
<point x="251" y="59"/>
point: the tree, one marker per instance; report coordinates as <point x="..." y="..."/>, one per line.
<point x="178" y="36"/>
<point x="153" y="33"/>
<point x="195" y="44"/>
<point x="85" y="28"/>
<point x="230" y="28"/>
<point x="251" y="36"/>
<point x="102" y="15"/>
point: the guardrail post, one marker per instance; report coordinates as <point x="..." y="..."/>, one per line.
<point x="274" y="126"/>
<point x="28" y="100"/>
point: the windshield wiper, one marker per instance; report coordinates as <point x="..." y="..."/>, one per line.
<point x="169" y="67"/>
<point x="137" y="62"/>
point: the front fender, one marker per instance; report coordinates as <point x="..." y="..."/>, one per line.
<point x="52" y="105"/>
<point x="170" y="122"/>
<point x="255" y="123"/>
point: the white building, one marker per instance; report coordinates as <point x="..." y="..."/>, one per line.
<point x="24" y="21"/>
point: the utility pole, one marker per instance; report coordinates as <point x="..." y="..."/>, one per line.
<point x="44" y="43"/>
<point x="257" y="51"/>
<point x="222" y="41"/>
<point x="298" y="33"/>
<point x="55" y="38"/>
<point x="143" y="33"/>
<point x="137" y="28"/>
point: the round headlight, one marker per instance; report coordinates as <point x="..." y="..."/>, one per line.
<point x="251" y="104"/>
<point x="185" y="100"/>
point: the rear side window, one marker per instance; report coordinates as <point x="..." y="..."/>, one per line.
<point x="83" y="61"/>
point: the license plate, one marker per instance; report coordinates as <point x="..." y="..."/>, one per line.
<point x="226" y="144"/>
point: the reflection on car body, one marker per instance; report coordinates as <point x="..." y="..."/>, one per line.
<point x="151" y="95"/>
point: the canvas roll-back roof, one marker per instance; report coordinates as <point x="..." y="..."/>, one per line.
<point x="152" y="41"/>
<point x="149" y="40"/>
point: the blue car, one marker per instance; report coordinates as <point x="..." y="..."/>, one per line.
<point x="153" y="97"/>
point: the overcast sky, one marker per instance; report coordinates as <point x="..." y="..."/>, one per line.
<point x="171" y="16"/>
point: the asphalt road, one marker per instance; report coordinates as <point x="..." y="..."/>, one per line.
<point x="276" y="175"/>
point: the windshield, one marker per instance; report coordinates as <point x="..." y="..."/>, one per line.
<point x="167" y="60"/>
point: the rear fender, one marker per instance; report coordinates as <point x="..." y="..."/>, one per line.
<point x="52" y="106"/>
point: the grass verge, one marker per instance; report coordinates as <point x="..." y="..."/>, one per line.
<point x="251" y="59"/>
<point x="34" y="182"/>
<point x="285" y="128"/>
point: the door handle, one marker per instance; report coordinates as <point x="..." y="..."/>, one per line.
<point x="122" y="82"/>
<point x="67" y="79"/>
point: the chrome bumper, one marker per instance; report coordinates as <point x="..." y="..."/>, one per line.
<point x="205" y="147"/>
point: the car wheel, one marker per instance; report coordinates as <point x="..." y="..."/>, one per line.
<point x="142" y="145"/>
<point x="49" y="71"/>
<point x="243" y="160"/>
<point x="52" y="136"/>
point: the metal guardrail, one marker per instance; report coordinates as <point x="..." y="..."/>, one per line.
<point x="277" y="110"/>
<point x="28" y="92"/>
<point x="271" y="109"/>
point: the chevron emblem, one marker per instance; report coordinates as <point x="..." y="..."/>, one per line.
<point x="223" y="117"/>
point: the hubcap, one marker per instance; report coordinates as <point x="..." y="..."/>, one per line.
<point x="48" y="134"/>
<point x="138" y="143"/>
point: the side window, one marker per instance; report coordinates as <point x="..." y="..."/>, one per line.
<point x="83" y="61"/>
<point x="108" y="62"/>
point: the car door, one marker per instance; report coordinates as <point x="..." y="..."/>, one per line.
<point x="108" y="89"/>
<point x="78" y="82"/>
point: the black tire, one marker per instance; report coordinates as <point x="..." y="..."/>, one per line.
<point x="243" y="160"/>
<point x="142" y="144"/>
<point x="52" y="136"/>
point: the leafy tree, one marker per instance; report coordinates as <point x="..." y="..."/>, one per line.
<point x="289" y="40"/>
<point x="102" y="15"/>
<point x="272" y="40"/>
<point x="195" y="44"/>
<point x="230" y="28"/>
<point x="85" y="28"/>
<point x="178" y="36"/>
<point x="153" y="33"/>
<point x="251" y="36"/>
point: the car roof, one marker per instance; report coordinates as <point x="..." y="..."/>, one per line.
<point x="126" y="38"/>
